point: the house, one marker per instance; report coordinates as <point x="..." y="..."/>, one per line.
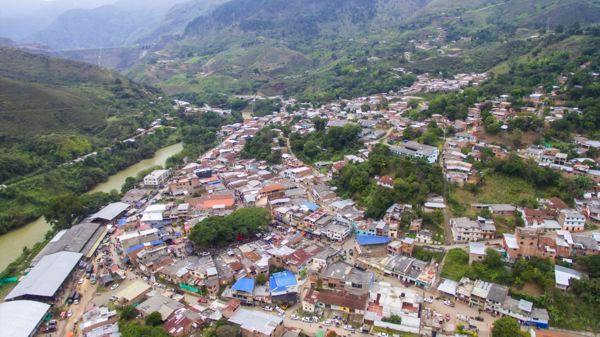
<point x="563" y="276"/>
<point x="466" y="230"/>
<point x="337" y="232"/>
<point x="182" y="322"/>
<point x="157" y="178"/>
<point x="404" y="246"/>
<point x="341" y="276"/>
<point x="476" y="251"/>
<point x="243" y="289"/>
<point x="571" y="220"/>
<point x="284" y="288"/>
<point x="386" y="181"/>
<point x="371" y="245"/>
<point x="340" y="301"/>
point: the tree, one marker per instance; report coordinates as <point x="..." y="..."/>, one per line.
<point x="63" y="211"/>
<point x="506" y="327"/>
<point x="154" y="319"/>
<point x="228" y="330"/>
<point x="395" y="319"/>
<point x="261" y="279"/>
<point x="128" y="312"/>
<point x="320" y="123"/>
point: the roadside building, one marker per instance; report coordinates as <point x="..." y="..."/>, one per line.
<point x="157" y="178"/>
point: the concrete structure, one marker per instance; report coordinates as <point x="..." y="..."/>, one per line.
<point x="157" y="178"/>
<point x="467" y="230"/>
<point x="571" y="220"/>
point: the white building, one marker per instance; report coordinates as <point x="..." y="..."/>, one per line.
<point x="416" y="150"/>
<point x="467" y="230"/>
<point x="157" y="178"/>
<point x="337" y="232"/>
<point x="571" y="220"/>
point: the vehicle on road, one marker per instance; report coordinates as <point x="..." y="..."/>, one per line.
<point x="294" y="317"/>
<point x="428" y="300"/>
<point x="349" y="328"/>
<point x="382" y="334"/>
<point x="306" y="319"/>
<point x="448" y="303"/>
<point x="114" y="286"/>
<point x="69" y="313"/>
<point x="268" y="308"/>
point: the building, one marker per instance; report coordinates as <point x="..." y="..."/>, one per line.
<point x="46" y="278"/>
<point x="476" y="251"/>
<point x="571" y="220"/>
<point x="21" y="318"/>
<point x="337" y="301"/>
<point x="284" y="287"/>
<point x="243" y="289"/>
<point x="372" y="245"/>
<point x="563" y="276"/>
<point x="341" y="276"/>
<point x="157" y="178"/>
<point x="133" y="293"/>
<point x="337" y="232"/>
<point x="96" y="318"/>
<point x="110" y="213"/>
<point x="467" y="230"/>
<point x="255" y="323"/>
<point x="416" y="150"/>
<point x="159" y="303"/>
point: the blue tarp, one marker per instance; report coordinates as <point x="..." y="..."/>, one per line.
<point x="281" y="281"/>
<point x="121" y="222"/>
<point x="311" y="206"/>
<point x="140" y="246"/>
<point x="244" y="284"/>
<point x="367" y="240"/>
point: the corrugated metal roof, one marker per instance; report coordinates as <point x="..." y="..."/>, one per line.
<point x="20" y="318"/>
<point x="47" y="276"/>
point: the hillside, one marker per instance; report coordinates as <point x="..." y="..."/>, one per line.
<point x="326" y="49"/>
<point x="76" y="106"/>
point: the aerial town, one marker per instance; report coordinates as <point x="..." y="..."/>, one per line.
<point x="274" y="249"/>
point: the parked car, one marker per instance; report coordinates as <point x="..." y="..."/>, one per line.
<point x="268" y="308"/>
<point x="428" y="300"/>
<point x="448" y="303"/>
<point x="306" y="319"/>
<point x="382" y="334"/>
<point x="294" y="317"/>
<point x="349" y="328"/>
<point x="114" y="286"/>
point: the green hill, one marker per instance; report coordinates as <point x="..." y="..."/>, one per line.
<point x="53" y="110"/>
<point x="310" y="48"/>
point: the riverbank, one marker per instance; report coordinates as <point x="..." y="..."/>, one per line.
<point x="13" y="242"/>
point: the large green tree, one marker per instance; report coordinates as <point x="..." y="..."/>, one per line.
<point x="506" y="327"/>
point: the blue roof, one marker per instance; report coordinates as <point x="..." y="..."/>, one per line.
<point x="244" y="284"/>
<point x="136" y="247"/>
<point x="311" y="206"/>
<point x="282" y="281"/>
<point x="367" y="240"/>
<point x="121" y="221"/>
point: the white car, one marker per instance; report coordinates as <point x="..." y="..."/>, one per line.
<point x="306" y="319"/>
<point x="382" y="334"/>
<point x="327" y="322"/>
<point x="428" y="300"/>
<point x="349" y="328"/>
<point x="294" y="317"/>
<point x="114" y="286"/>
<point x="70" y="313"/>
<point x="268" y="308"/>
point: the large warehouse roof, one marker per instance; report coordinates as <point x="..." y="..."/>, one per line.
<point x="47" y="276"/>
<point x="111" y="211"/>
<point x="79" y="239"/>
<point x="21" y="318"/>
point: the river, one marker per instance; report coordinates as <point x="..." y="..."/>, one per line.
<point x="12" y="243"/>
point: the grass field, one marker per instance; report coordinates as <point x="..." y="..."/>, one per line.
<point x="496" y="188"/>
<point x="456" y="264"/>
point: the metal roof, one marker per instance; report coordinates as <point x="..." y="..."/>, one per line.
<point x="21" y="318"/>
<point x="111" y="211"/>
<point x="366" y="240"/>
<point x="283" y="281"/>
<point x="244" y="284"/>
<point x="47" y="276"/>
<point x="256" y="321"/>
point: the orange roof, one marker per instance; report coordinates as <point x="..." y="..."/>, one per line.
<point x="272" y="188"/>
<point x="224" y="201"/>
